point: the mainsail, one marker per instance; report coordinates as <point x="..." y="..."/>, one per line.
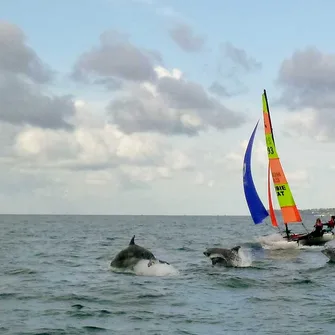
<point x="271" y="210"/>
<point x="289" y="210"/>
<point x="256" y="207"/>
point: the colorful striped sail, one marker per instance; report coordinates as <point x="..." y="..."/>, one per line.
<point x="256" y="207"/>
<point x="289" y="210"/>
<point x="271" y="210"/>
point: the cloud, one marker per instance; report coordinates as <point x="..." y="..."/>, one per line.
<point x="116" y="58"/>
<point x="307" y="122"/>
<point x="173" y="106"/>
<point x="147" y="97"/>
<point x="307" y="82"/>
<point x="62" y="147"/>
<point x="17" y="57"/>
<point x="24" y="103"/>
<point x="308" y="79"/>
<point x="22" y="83"/>
<point x="101" y="151"/>
<point x="186" y="39"/>
<point x="232" y="66"/>
<point x="240" y="58"/>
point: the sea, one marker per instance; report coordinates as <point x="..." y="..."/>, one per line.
<point x="56" y="278"/>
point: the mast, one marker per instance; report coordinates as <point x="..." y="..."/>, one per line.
<point x="267" y="106"/>
<point x="289" y="210"/>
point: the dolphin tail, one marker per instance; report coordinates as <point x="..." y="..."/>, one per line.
<point x="132" y="241"/>
<point x="236" y="249"/>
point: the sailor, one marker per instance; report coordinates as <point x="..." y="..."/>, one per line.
<point x="331" y="223"/>
<point x="318" y="227"/>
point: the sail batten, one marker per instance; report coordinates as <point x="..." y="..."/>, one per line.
<point x="256" y="208"/>
<point x="289" y="210"/>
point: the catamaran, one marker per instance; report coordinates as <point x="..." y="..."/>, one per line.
<point x="289" y="210"/>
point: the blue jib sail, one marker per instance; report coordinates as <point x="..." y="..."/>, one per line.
<point x="256" y="207"/>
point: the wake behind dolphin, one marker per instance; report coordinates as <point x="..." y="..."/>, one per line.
<point x="134" y="257"/>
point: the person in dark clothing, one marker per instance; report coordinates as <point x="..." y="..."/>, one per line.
<point x="330" y="224"/>
<point x="288" y="232"/>
<point x="318" y="228"/>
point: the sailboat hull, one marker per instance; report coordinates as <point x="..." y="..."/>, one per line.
<point x="308" y="240"/>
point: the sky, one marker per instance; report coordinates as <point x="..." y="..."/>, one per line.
<point x="146" y="106"/>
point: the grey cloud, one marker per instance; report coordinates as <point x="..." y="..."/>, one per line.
<point x="18" y="58"/>
<point x="111" y="84"/>
<point x="308" y="80"/>
<point x="116" y="57"/>
<point x="22" y="74"/>
<point x="184" y="94"/>
<point x="240" y="58"/>
<point x="145" y="114"/>
<point x="181" y="107"/>
<point x="186" y="39"/>
<point x="21" y="104"/>
<point x="7" y="134"/>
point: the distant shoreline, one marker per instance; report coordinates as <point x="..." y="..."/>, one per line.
<point x="318" y="211"/>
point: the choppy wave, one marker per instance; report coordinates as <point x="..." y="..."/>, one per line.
<point x="56" y="272"/>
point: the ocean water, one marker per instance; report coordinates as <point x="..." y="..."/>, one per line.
<point x="55" y="278"/>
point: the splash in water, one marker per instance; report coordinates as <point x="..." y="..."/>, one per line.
<point x="151" y="268"/>
<point x="276" y="242"/>
<point x="245" y="258"/>
<point x="154" y="269"/>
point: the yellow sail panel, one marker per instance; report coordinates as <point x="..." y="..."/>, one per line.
<point x="289" y="210"/>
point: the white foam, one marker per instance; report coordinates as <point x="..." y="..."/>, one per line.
<point x="156" y="269"/>
<point x="277" y="242"/>
<point x="245" y="258"/>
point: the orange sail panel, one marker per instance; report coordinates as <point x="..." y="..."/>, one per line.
<point x="289" y="210"/>
<point x="271" y="210"/>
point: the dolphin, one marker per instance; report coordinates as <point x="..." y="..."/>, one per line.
<point x="330" y="253"/>
<point x="226" y="257"/>
<point x="130" y="256"/>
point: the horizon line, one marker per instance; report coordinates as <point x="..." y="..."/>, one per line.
<point x="82" y="214"/>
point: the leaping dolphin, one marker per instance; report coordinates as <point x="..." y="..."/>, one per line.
<point x="130" y="256"/>
<point x="226" y="257"/>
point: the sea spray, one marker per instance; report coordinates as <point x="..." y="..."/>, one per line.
<point x="277" y="242"/>
<point x="156" y="269"/>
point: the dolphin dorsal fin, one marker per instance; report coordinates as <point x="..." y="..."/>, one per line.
<point x="132" y="241"/>
<point x="236" y="248"/>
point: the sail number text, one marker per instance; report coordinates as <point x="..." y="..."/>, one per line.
<point x="280" y="190"/>
<point x="276" y="177"/>
<point x="270" y="151"/>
